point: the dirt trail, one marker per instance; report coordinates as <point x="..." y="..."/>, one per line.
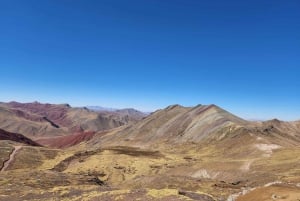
<point x="11" y="158"/>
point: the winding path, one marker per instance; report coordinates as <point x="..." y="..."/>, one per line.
<point x="11" y="158"/>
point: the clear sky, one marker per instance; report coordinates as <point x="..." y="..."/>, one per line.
<point x="241" y="55"/>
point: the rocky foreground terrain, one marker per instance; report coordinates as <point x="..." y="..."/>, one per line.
<point x="56" y="152"/>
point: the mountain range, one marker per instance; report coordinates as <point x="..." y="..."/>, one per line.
<point x="176" y="153"/>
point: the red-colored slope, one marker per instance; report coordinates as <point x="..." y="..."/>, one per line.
<point x="66" y="141"/>
<point x="4" y="135"/>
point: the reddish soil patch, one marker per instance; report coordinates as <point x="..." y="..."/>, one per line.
<point x="66" y="141"/>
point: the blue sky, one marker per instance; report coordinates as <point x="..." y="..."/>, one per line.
<point x="241" y="55"/>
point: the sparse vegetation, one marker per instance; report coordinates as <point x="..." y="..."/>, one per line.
<point x="165" y="167"/>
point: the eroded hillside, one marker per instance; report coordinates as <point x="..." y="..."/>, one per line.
<point x="47" y="121"/>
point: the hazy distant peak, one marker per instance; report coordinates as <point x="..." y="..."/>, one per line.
<point x="128" y="109"/>
<point x="100" y="108"/>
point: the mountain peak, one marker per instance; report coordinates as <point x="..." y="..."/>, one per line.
<point x="179" y="124"/>
<point x="171" y="107"/>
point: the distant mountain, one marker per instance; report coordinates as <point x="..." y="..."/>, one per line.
<point x="130" y="114"/>
<point x="99" y="108"/>
<point x="178" y="125"/>
<point x="129" y="111"/>
<point x="37" y="120"/>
